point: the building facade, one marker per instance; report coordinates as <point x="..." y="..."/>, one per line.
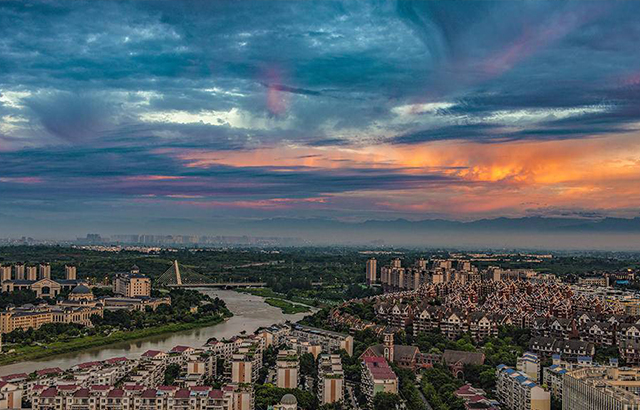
<point x="599" y="388"/>
<point x="516" y="391"/>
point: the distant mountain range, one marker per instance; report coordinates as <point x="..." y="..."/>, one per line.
<point x="532" y="224"/>
<point x="508" y="233"/>
<point x="525" y="233"/>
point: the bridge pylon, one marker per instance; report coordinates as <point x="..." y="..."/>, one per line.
<point x="178" y="275"/>
<point x="177" y="269"/>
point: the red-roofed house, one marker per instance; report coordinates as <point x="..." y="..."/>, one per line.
<point x="150" y="400"/>
<point x="87" y="365"/>
<point x="116" y="360"/>
<point x="377" y="377"/>
<point x="48" y="399"/>
<point x="116" y="400"/>
<point x="475" y="398"/>
<point x="100" y="390"/>
<point x="181" y="349"/>
<point x="18" y="379"/>
<point x="51" y="371"/>
<point x="133" y="388"/>
<point x="154" y="355"/>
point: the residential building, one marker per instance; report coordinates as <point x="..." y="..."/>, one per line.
<point x="330" y="379"/>
<point x="132" y="284"/>
<point x="241" y="369"/>
<point x="70" y="272"/>
<point x="601" y="388"/>
<point x="372" y="274"/>
<point x="331" y="342"/>
<point x="516" y="391"/>
<point x="5" y="273"/>
<point x="10" y="396"/>
<point x="287" y="369"/>
<point x="44" y="271"/>
<point x="474" y="399"/>
<point x="552" y="378"/>
<point x="377" y="377"/>
<point x="529" y="364"/>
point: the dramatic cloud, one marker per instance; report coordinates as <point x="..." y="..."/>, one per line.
<point x="353" y="110"/>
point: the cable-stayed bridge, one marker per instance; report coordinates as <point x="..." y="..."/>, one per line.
<point x="182" y="277"/>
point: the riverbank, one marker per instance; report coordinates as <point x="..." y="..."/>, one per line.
<point x="249" y="314"/>
<point x="287" y="308"/>
<point x="28" y="353"/>
<point x="269" y="293"/>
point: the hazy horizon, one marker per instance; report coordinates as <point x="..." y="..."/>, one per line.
<point x="558" y="234"/>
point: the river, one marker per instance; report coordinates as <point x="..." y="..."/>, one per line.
<point x="249" y="313"/>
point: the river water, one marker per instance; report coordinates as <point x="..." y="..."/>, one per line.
<point x="249" y="313"/>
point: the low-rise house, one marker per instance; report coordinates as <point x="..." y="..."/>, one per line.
<point x="475" y="399"/>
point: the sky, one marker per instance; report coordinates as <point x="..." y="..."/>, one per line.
<point x="112" y="113"/>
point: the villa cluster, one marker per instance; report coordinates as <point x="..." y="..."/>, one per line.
<point x="564" y="319"/>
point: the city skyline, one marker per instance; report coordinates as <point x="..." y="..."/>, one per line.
<point x="192" y="117"/>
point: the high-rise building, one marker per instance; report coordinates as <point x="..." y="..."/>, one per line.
<point x="529" y="364"/>
<point x="32" y="273"/>
<point x="132" y="284"/>
<point x="19" y="271"/>
<point x="287" y="369"/>
<point x="601" y="388"/>
<point x="5" y="273"/>
<point x="45" y="271"/>
<point x="516" y="391"/>
<point x="372" y="275"/>
<point x="463" y="265"/>
<point x="243" y="398"/>
<point x="330" y="379"/>
<point x="70" y="272"/>
<point x="241" y="369"/>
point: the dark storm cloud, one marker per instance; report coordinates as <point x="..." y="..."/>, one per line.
<point x="96" y="94"/>
<point x="72" y="117"/>
<point x="358" y="59"/>
<point x="92" y="174"/>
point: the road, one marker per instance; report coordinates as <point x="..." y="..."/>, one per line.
<point x="426" y="403"/>
<point x="352" y="397"/>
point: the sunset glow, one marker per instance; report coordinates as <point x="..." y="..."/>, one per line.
<point x="351" y="111"/>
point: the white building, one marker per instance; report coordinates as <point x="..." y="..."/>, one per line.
<point x="529" y="364"/>
<point x="516" y="391"/>
<point x="601" y="388"/>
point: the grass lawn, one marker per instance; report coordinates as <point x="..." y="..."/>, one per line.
<point x="287" y="308"/>
<point x="26" y="353"/>
<point x="269" y="293"/>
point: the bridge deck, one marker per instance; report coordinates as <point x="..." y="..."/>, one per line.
<point x="220" y="285"/>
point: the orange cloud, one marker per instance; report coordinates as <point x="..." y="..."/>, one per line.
<point x="595" y="173"/>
